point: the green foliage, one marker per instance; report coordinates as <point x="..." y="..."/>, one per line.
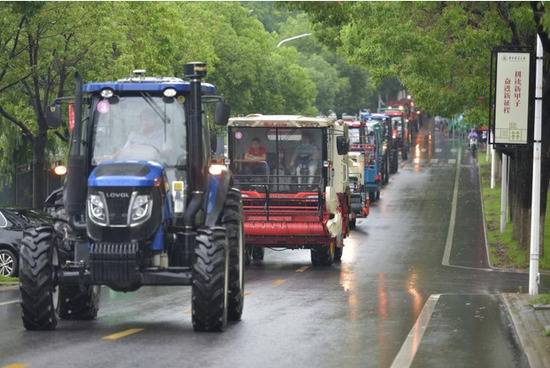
<point x="43" y="44"/>
<point x="439" y="51"/>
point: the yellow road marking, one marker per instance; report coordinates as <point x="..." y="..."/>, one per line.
<point x="15" y="365"/>
<point x="278" y="282"/>
<point x="302" y="269"/>
<point x="122" y="334"/>
<point x="246" y="293"/>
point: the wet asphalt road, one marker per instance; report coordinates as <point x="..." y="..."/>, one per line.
<point x="360" y="313"/>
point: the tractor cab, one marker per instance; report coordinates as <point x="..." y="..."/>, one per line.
<point x="400" y="130"/>
<point x="292" y="171"/>
<point x="142" y="204"/>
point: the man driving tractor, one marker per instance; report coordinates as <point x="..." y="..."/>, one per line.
<point x="306" y="156"/>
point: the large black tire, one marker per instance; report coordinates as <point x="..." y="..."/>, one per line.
<point x="210" y="280"/>
<point x="323" y="255"/>
<point x="78" y="303"/>
<point x="394" y="164"/>
<point x="372" y="197"/>
<point x="38" y="262"/>
<point x="258" y="254"/>
<point x="338" y="254"/>
<point x="232" y="219"/>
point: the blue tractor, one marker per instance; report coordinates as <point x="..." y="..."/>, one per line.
<point x="141" y="205"/>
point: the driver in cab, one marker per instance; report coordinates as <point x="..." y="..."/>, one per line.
<point x="306" y="155"/>
<point x="148" y="136"/>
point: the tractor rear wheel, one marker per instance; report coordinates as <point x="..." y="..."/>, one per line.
<point x="232" y="219"/>
<point x="338" y="254"/>
<point x="79" y="304"/>
<point x="210" y="280"/>
<point x="38" y="262"/>
<point x="323" y="255"/>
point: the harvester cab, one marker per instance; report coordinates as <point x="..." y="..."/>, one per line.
<point x="360" y="156"/>
<point x="292" y="171"/>
<point x="142" y="205"/>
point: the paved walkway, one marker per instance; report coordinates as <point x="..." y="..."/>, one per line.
<point x="529" y="325"/>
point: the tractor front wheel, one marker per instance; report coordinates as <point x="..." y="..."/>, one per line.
<point x="232" y="219"/>
<point x="79" y="303"/>
<point x="38" y="262"/>
<point x="210" y="280"/>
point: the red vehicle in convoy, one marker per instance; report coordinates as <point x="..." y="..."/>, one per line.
<point x="293" y="175"/>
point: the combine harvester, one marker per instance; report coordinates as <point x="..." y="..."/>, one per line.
<point x="293" y="174"/>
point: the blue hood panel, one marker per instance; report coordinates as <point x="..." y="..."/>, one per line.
<point x="125" y="174"/>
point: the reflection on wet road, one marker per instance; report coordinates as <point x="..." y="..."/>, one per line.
<point x="361" y="313"/>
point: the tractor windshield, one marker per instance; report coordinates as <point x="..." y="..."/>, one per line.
<point x="277" y="159"/>
<point x="139" y="127"/>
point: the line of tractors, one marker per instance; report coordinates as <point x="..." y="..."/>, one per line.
<point x="145" y="202"/>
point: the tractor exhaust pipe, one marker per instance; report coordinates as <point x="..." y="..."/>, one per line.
<point x="75" y="187"/>
<point x="196" y="71"/>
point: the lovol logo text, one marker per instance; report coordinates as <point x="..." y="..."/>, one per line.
<point x="117" y="195"/>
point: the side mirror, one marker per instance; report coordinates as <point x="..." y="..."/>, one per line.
<point x="223" y="110"/>
<point x="53" y="116"/>
<point x="342" y="145"/>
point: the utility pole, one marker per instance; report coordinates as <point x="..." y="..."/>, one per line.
<point x="535" y="194"/>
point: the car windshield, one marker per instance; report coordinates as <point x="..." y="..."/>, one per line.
<point x="141" y="127"/>
<point x="280" y="159"/>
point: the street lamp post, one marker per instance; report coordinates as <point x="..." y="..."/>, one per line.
<point x="293" y="38"/>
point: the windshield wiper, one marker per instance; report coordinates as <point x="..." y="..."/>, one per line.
<point x="147" y="97"/>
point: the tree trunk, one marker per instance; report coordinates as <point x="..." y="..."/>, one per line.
<point x="522" y="175"/>
<point x="38" y="169"/>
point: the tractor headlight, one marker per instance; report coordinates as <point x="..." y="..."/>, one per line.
<point x="97" y="210"/>
<point x="140" y="209"/>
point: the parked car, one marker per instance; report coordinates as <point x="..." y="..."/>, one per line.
<point x="12" y="223"/>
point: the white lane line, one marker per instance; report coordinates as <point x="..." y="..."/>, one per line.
<point x="452" y="161"/>
<point x="9" y="302"/>
<point x="483" y="215"/>
<point x="452" y="221"/>
<point x="435" y="160"/>
<point x="405" y="356"/>
<point x="438" y="150"/>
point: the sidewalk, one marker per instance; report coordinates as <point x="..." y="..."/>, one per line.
<point x="529" y="326"/>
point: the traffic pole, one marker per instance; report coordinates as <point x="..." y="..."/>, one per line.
<point x="503" y="192"/>
<point x="487" y="145"/>
<point x="493" y="167"/>
<point x="535" y="194"/>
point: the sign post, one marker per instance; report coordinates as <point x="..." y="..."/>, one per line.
<point x="535" y="194"/>
<point x="512" y="82"/>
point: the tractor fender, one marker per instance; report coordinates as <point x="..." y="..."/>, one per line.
<point x="218" y="187"/>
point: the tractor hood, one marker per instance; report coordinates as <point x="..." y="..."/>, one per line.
<point x="126" y="174"/>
